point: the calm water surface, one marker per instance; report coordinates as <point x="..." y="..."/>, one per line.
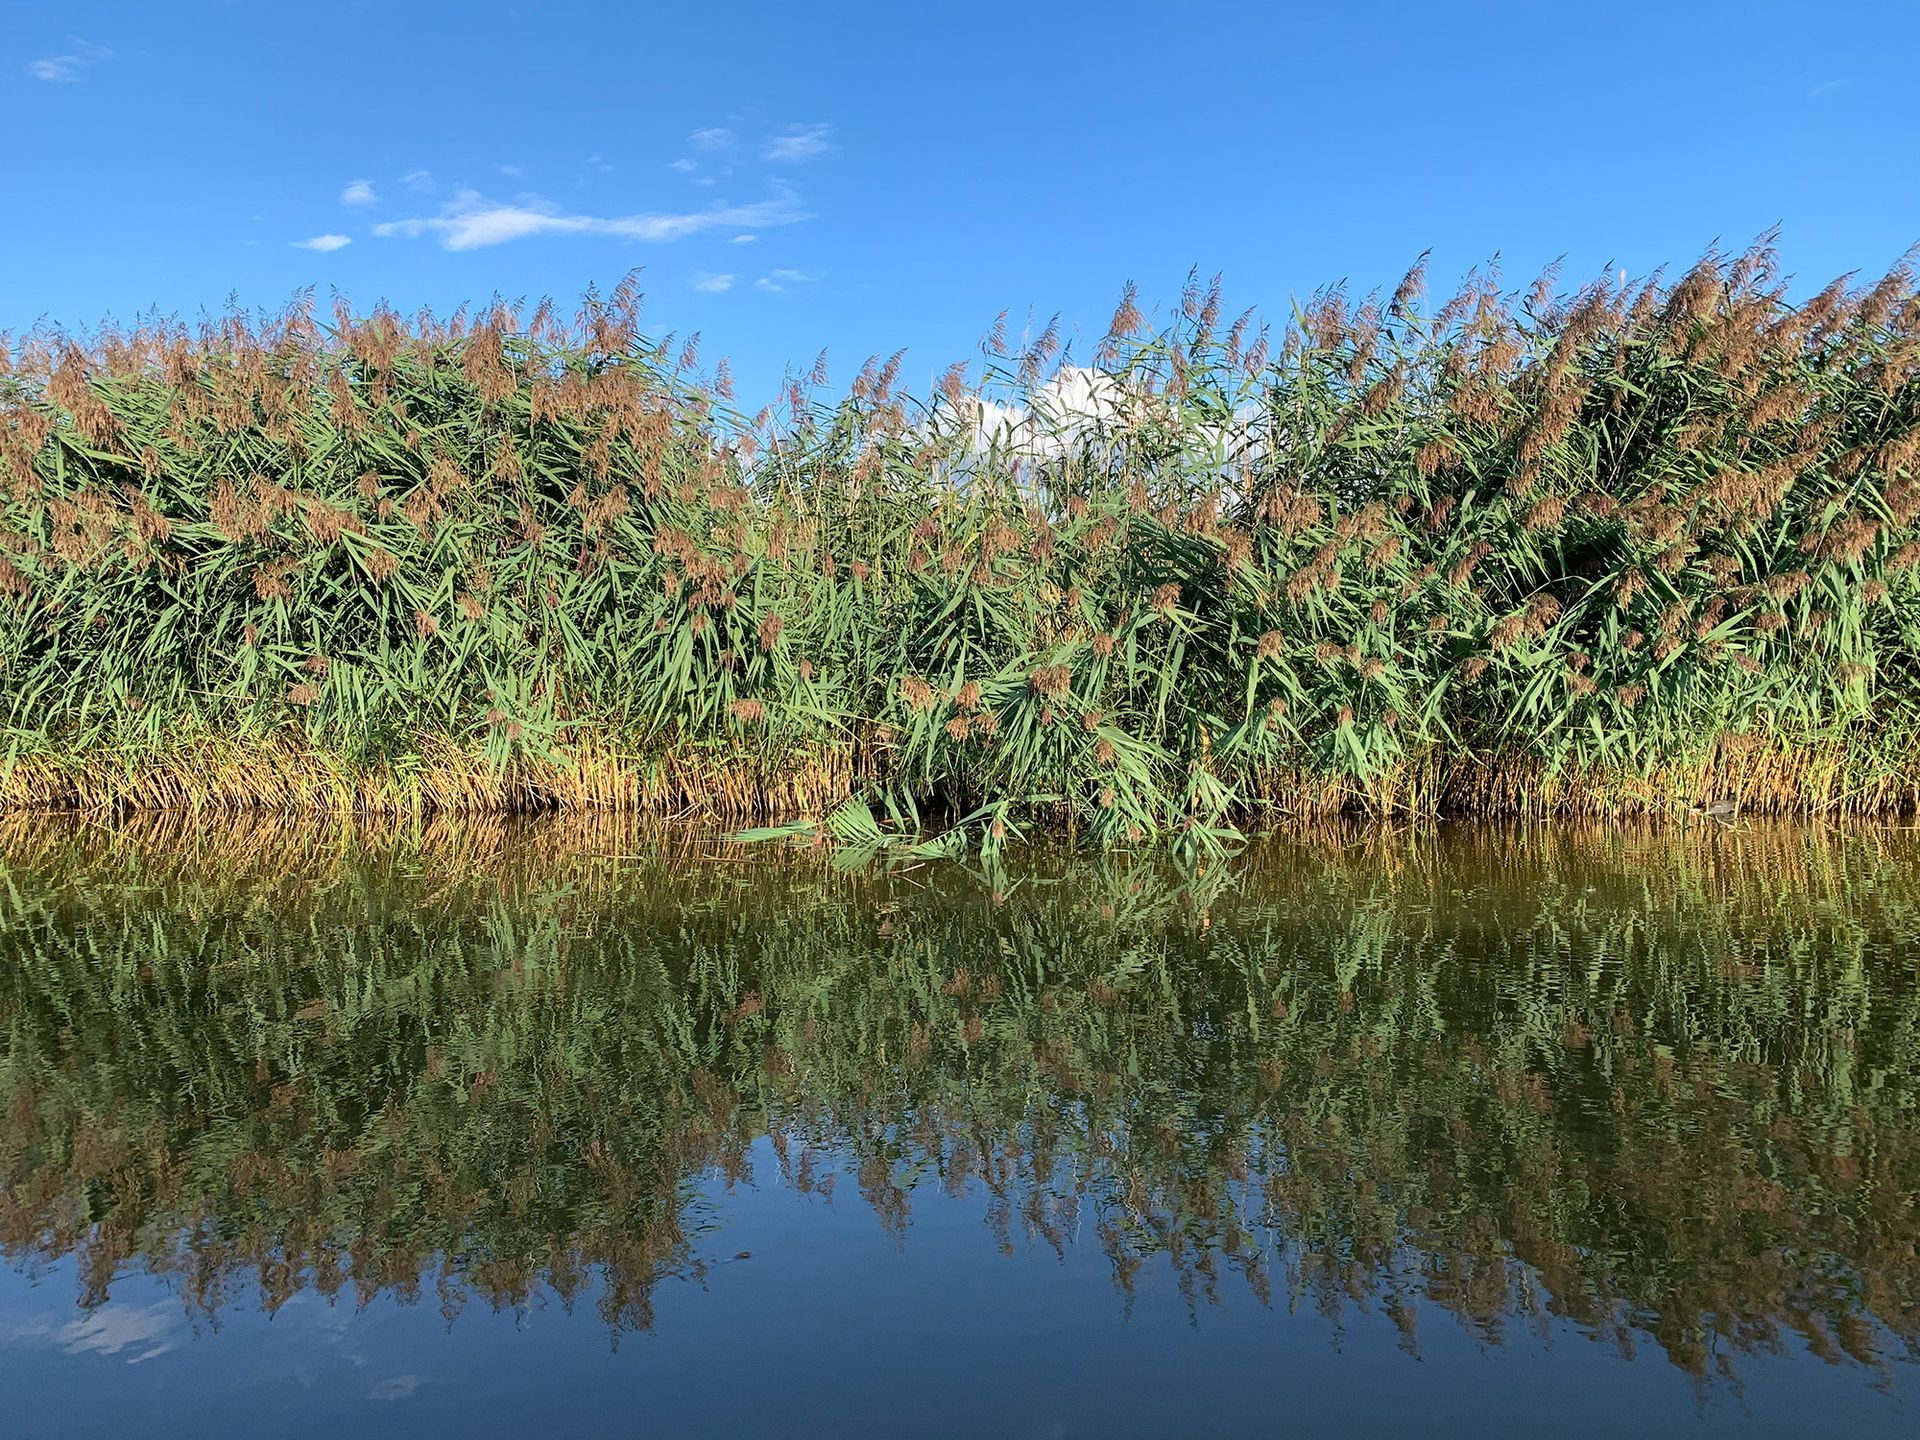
<point x="478" y="1130"/>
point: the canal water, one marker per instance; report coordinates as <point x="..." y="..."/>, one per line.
<point x="589" y="1129"/>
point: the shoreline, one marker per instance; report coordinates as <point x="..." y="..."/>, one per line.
<point x="291" y="774"/>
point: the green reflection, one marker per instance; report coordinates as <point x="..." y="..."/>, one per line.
<point x="1662" y="1084"/>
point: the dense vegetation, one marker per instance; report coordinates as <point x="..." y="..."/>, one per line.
<point x="1660" y="1085"/>
<point x="1624" y="549"/>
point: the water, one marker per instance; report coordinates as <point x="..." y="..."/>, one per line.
<point x="475" y="1130"/>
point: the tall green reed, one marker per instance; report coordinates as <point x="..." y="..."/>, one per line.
<point x="1628" y="549"/>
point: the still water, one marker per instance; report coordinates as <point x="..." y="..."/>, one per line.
<point x="586" y="1130"/>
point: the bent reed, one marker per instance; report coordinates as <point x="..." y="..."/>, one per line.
<point x="1627" y="549"/>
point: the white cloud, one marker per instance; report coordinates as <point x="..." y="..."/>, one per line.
<point x="471" y="221"/>
<point x="1080" y="408"/>
<point x="716" y="138"/>
<point x="1826" y="88"/>
<point x="113" y="1328"/>
<point x="800" y="142"/>
<point x="359" y="192"/>
<point x="398" y="1387"/>
<point x="775" y="282"/>
<point x="743" y="240"/>
<point x="683" y="165"/>
<point x="147" y="1330"/>
<point x="323" y="243"/>
<point x="421" y="180"/>
<point x="66" y="68"/>
<point x="512" y="172"/>
<point x="713" y="284"/>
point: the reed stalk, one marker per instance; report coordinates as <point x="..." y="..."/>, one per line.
<point x="1626" y="550"/>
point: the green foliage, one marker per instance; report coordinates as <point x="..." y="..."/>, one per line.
<point x="1619" y="550"/>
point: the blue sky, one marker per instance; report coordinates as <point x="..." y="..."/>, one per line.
<point x="865" y="177"/>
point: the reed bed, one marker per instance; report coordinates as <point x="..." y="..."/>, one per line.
<point x="1624" y="549"/>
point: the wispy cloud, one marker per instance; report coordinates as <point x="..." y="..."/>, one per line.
<point x="65" y="68"/>
<point x="683" y="165"/>
<point x="471" y="221"/>
<point x="323" y="243"/>
<point x="1826" y="88"/>
<point x="398" y="1387"/>
<point x="800" y="142"/>
<point x="713" y="284"/>
<point x="359" y="192"/>
<point x="148" y="1331"/>
<point x="716" y="138"/>
<point x="421" y="180"/>
<point x="512" y="172"/>
<point x="743" y="240"/>
<point x="777" y="282"/>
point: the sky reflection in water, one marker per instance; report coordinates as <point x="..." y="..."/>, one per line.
<point x="468" y="1129"/>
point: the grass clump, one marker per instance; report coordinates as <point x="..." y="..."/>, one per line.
<point x="1624" y="549"/>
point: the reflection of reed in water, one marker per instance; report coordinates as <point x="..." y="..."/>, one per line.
<point x="1661" y="1083"/>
